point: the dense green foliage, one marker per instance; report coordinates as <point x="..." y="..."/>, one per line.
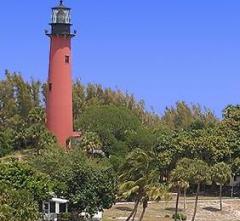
<point x="22" y="189"/>
<point x="17" y="205"/>
<point x="179" y="217"/>
<point x="111" y="123"/>
<point x="21" y="176"/>
<point x="21" y="115"/>
<point x="180" y="147"/>
<point x="89" y="185"/>
<point x="221" y="174"/>
<point x="139" y="181"/>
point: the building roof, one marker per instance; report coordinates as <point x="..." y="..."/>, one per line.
<point x="59" y="200"/>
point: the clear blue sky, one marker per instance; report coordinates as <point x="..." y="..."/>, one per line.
<point x="159" y="50"/>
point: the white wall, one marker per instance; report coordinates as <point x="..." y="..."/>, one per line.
<point x="235" y="182"/>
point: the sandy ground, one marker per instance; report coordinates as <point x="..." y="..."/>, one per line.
<point x="208" y="210"/>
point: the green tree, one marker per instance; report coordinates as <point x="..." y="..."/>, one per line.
<point x="32" y="133"/>
<point x="199" y="173"/>
<point x="167" y="153"/>
<point x="36" y="134"/>
<point x="79" y="99"/>
<point x="235" y="167"/>
<point x="180" y="177"/>
<point x="221" y="174"/>
<point x="111" y="123"/>
<point x="139" y="180"/>
<point x="17" y="205"/>
<point x="211" y="145"/>
<point x="142" y="137"/>
<point x="193" y="171"/>
<point x="6" y="141"/>
<point x="208" y="144"/>
<point x="90" y="142"/>
<point x="89" y="184"/>
<point x="230" y="127"/>
<point x="21" y="115"/>
<point x="184" y="116"/>
<point x="21" y="176"/>
<point x="96" y="95"/>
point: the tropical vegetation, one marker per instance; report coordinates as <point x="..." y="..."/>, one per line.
<point x="125" y="152"/>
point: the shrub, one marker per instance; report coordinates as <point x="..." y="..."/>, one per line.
<point x="180" y="217"/>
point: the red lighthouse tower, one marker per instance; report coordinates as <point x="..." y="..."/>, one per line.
<point x="59" y="92"/>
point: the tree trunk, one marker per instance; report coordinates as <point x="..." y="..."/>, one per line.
<point x="177" y="202"/>
<point x="220" y="197"/>
<point x="196" y="202"/>
<point x="232" y="185"/>
<point x="145" y="205"/>
<point x="134" y="215"/>
<point x="185" y="196"/>
<point x="133" y="211"/>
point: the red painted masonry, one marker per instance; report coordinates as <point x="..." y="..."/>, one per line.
<point x="59" y="93"/>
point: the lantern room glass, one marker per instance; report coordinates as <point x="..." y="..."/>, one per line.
<point x="61" y="16"/>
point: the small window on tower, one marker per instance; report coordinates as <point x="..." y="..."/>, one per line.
<point x="50" y="86"/>
<point x="67" y="59"/>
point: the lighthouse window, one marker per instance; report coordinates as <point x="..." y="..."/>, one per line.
<point x="61" y="16"/>
<point x="67" y="59"/>
<point x="50" y="86"/>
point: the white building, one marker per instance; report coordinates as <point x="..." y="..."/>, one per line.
<point x="52" y="208"/>
<point x="235" y="181"/>
<point x="97" y="216"/>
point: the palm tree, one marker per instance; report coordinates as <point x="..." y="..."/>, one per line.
<point x="199" y="173"/>
<point x="128" y="190"/>
<point x="190" y="171"/>
<point x="139" y="180"/>
<point x="221" y="174"/>
<point x="179" y="178"/>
